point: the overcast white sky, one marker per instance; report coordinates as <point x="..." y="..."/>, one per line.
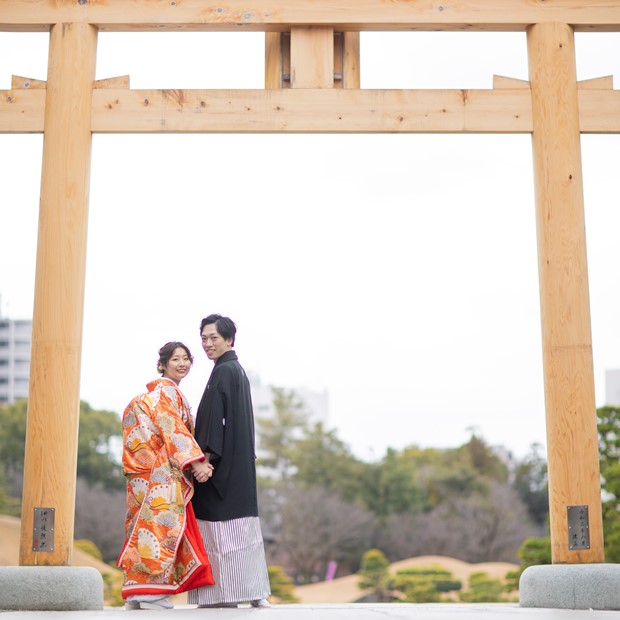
<point x="397" y="272"/>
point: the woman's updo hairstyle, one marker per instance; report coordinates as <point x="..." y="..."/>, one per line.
<point x="165" y="353"/>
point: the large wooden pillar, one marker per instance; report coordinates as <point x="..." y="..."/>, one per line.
<point x="572" y="439"/>
<point x="53" y="401"/>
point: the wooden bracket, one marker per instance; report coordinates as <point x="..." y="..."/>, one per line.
<point x="19" y="82"/>
<point x="121" y="81"/>
<point x="600" y="83"/>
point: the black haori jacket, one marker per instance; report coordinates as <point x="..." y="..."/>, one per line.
<point x="225" y="429"/>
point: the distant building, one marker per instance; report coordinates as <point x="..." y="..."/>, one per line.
<point x="15" y="344"/>
<point x="315" y="403"/>
<point x="612" y="387"/>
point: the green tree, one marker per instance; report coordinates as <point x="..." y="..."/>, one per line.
<point x="99" y="432"/>
<point x="88" y="546"/>
<point x="97" y="462"/>
<point x="425" y="463"/>
<point x="8" y="505"/>
<point x="423" y="584"/>
<point x="282" y="586"/>
<point x="321" y="459"/>
<point x="112" y="589"/>
<point x="12" y="444"/>
<point x="483" y="589"/>
<point x="484" y="460"/>
<point x="530" y="482"/>
<point x="416" y="589"/>
<point x="13" y="438"/>
<point x="393" y="487"/>
<point x="278" y="434"/>
<point x="450" y="476"/>
<point x="609" y="450"/>
<point x="374" y="574"/>
<point x="533" y="552"/>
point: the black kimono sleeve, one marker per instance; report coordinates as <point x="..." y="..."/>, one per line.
<point x="215" y="432"/>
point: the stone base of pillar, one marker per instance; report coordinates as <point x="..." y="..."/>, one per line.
<point x="50" y="588"/>
<point x="571" y="586"/>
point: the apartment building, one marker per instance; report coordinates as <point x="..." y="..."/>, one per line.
<point x="15" y="345"/>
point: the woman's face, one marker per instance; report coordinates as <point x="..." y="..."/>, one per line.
<point x="178" y="365"/>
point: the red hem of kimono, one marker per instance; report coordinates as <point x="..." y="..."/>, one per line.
<point x="200" y="576"/>
<point x="203" y="575"/>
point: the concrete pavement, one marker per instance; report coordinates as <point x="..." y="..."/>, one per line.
<point x="354" y="611"/>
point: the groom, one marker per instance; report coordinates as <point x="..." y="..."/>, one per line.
<point x="226" y="506"/>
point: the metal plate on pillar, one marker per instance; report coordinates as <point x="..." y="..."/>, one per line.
<point x="43" y="530"/>
<point x="578" y="528"/>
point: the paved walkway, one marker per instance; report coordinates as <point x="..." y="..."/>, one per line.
<point x="359" y="611"/>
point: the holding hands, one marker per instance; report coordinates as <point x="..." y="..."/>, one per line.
<point x="202" y="470"/>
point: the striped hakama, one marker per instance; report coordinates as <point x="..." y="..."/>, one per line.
<point x="237" y="556"/>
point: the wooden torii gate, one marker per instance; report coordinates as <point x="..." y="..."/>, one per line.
<point x="312" y="85"/>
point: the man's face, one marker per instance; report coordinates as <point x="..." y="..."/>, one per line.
<point x="213" y="344"/>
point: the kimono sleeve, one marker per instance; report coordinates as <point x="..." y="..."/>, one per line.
<point x="217" y="424"/>
<point x="215" y="429"/>
<point x="180" y="444"/>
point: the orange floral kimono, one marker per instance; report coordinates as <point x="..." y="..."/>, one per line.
<point x="163" y="551"/>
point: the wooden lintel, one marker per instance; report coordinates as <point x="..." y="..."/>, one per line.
<point x="18" y="81"/>
<point x="121" y="81"/>
<point x="281" y="15"/>
<point x="309" y="110"/>
<point x="337" y="110"/>
<point x="501" y="81"/>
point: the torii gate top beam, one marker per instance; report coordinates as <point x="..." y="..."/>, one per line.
<point x="281" y="15"/>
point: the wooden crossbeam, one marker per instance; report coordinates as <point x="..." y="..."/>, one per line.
<point x="121" y="110"/>
<point x="281" y="15"/>
<point x="312" y="110"/>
